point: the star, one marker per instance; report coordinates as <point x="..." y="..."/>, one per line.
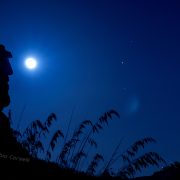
<point x="124" y="60"/>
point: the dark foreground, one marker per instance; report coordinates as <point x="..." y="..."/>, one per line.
<point x="14" y="167"/>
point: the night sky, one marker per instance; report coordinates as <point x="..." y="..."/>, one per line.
<point x="95" y="55"/>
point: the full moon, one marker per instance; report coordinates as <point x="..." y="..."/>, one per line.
<point x="31" y="63"/>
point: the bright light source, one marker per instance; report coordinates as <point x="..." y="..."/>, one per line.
<point x="31" y="63"/>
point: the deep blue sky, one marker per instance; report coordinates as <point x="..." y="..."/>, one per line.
<point x="95" y="55"/>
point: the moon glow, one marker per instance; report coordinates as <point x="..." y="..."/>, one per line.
<point x="31" y="63"/>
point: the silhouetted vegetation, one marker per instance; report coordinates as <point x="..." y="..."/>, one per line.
<point x="76" y="149"/>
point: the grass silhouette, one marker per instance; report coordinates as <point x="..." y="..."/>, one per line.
<point x="76" y="150"/>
